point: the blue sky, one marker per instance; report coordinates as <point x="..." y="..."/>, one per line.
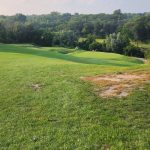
<point x="10" y="7"/>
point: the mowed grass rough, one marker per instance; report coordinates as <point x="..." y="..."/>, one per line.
<point x="64" y="113"/>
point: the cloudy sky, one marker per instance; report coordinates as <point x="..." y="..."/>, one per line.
<point x="10" y="7"/>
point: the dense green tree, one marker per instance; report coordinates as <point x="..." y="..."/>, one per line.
<point x="46" y="38"/>
<point x="85" y="44"/>
<point x="20" y="18"/>
<point x="96" y="46"/>
<point x="68" y="39"/>
<point x="117" y="12"/>
<point x="2" y="33"/>
<point x="138" y="29"/>
<point x="132" y="50"/>
<point x="116" y="42"/>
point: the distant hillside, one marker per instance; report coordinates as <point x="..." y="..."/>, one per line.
<point x="81" y="24"/>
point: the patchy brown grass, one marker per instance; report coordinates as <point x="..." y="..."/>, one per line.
<point x="36" y="87"/>
<point x="118" y="85"/>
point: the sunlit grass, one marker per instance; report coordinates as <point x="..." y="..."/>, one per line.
<point x="65" y="113"/>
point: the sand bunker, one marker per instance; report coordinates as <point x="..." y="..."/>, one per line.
<point x="118" y="85"/>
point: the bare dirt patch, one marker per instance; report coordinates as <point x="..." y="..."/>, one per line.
<point x="36" y="87"/>
<point x="118" y="85"/>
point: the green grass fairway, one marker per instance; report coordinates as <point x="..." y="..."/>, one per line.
<point x="64" y="113"/>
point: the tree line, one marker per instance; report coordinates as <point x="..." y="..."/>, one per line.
<point x="57" y="29"/>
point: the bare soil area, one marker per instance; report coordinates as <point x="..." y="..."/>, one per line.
<point x="118" y="85"/>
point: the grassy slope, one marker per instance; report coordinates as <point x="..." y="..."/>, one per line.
<point x="64" y="113"/>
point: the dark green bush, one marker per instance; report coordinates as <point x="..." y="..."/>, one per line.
<point x="95" y="46"/>
<point x="132" y="50"/>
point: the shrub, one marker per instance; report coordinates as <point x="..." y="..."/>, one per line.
<point x="132" y="50"/>
<point x="95" y="46"/>
<point x="147" y="54"/>
<point x="85" y="44"/>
